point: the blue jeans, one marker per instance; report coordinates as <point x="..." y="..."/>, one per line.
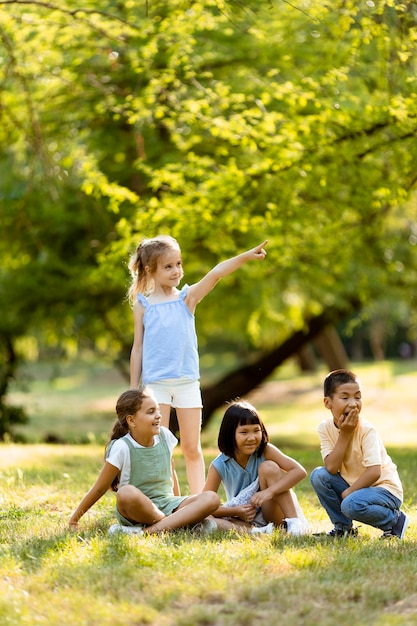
<point x="374" y="506"/>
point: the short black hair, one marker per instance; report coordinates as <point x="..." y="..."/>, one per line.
<point x="336" y="378"/>
<point x="239" y="414"/>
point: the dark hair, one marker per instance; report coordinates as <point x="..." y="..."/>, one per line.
<point x="239" y="414"/>
<point x="336" y="378"/>
<point x="128" y="403"/>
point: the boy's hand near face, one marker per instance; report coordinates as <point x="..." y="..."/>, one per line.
<point x="349" y="421"/>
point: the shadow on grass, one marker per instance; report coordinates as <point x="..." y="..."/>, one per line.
<point x="309" y="581"/>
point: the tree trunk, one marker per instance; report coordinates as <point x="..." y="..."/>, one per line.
<point x="245" y="379"/>
<point x="9" y="415"/>
<point x="331" y="348"/>
<point x="306" y="358"/>
<point x="377" y="337"/>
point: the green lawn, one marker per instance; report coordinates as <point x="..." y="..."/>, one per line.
<point x="50" y="576"/>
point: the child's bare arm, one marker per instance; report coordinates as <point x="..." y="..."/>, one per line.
<point x="347" y="424"/>
<point x="366" y="479"/>
<point x="102" y="484"/>
<point x="213" y="480"/>
<point x="136" y="353"/>
<point x="199" y="290"/>
<point x="244" y="512"/>
<point x="176" y="482"/>
<point x="292" y="473"/>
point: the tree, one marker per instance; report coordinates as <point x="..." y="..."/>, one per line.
<point x="218" y="124"/>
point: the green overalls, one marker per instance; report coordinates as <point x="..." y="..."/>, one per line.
<point x="150" y="471"/>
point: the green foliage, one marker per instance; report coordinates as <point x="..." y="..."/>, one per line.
<point x="221" y="123"/>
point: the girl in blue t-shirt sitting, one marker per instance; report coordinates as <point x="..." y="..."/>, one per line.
<point x="257" y="477"/>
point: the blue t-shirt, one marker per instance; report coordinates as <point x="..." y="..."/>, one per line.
<point x="169" y="340"/>
<point x="234" y="476"/>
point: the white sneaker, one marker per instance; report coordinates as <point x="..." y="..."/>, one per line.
<point x="127" y="530"/>
<point x="267" y="530"/>
<point x="295" y="526"/>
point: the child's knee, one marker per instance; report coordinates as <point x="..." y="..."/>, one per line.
<point x="126" y="493"/>
<point x="269" y="470"/>
<point x="191" y="451"/>
<point x="352" y="505"/>
<point x="317" y="476"/>
<point x="345" y="507"/>
<point x="211" y="500"/>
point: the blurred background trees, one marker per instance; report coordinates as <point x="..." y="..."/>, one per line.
<point x="222" y="124"/>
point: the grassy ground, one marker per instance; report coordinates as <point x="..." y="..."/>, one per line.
<point x="53" y="577"/>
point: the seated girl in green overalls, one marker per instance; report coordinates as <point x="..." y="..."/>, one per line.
<point x="139" y="467"/>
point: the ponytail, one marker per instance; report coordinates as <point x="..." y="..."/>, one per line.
<point x="128" y="404"/>
<point x="147" y="255"/>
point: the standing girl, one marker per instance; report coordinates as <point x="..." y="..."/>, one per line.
<point x="257" y="477"/>
<point x="164" y="353"/>
<point x="140" y="469"/>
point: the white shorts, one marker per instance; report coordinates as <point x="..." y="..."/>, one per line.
<point x="180" y="393"/>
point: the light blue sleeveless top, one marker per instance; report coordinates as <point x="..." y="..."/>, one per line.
<point x="169" y="341"/>
<point x="234" y="476"/>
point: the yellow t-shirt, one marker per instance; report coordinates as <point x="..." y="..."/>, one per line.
<point x="364" y="450"/>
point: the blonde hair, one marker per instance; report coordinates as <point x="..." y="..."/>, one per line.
<point x="147" y="254"/>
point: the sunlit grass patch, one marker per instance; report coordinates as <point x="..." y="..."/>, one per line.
<point x="219" y="579"/>
<point x="53" y="576"/>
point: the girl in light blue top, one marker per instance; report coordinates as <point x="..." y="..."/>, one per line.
<point x="164" y="354"/>
<point x="257" y="477"/>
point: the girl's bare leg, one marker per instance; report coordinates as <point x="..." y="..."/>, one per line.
<point x="139" y="509"/>
<point x="194" y="509"/>
<point x="165" y="410"/>
<point x="136" y="507"/>
<point x="280" y="506"/>
<point x="189" y="422"/>
<point x="237" y="525"/>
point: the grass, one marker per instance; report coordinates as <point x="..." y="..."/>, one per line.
<point x="51" y="576"/>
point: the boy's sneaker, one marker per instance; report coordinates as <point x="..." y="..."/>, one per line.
<point x="339" y="533"/>
<point x="266" y="530"/>
<point x="343" y="532"/>
<point x="295" y="526"/>
<point x="127" y="530"/>
<point x="399" y="528"/>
